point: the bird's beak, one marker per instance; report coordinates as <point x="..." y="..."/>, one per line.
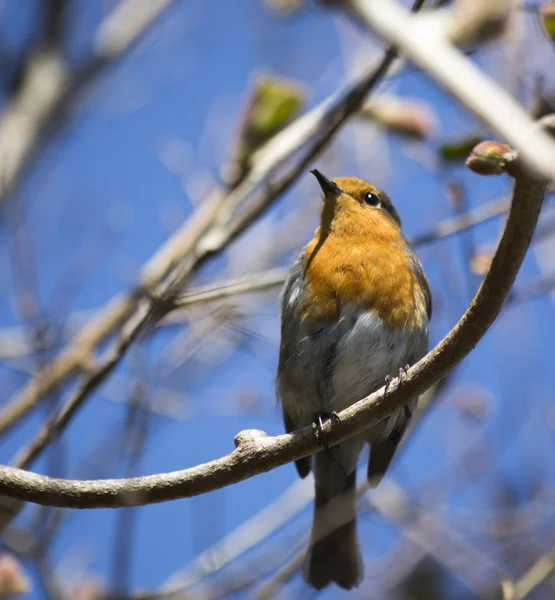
<point x="328" y="187"/>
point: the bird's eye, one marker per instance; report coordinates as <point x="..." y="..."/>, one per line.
<point x="371" y="199"/>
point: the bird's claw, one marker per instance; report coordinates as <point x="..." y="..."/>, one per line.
<point x="403" y="373"/>
<point x="317" y="428"/>
<point x="387" y="384"/>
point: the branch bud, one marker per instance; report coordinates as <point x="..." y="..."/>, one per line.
<point x="489" y="158"/>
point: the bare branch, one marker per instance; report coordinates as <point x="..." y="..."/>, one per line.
<point x="45" y="82"/>
<point x="423" y="529"/>
<point x="78" y="354"/>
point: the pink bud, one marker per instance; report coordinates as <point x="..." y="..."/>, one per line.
<point x="489" y="158"/>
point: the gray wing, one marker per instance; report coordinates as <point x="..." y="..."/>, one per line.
<point x="303" y="465"/>
<point x="383" y="451"/>
<point x="293" y="285"/>
<point x="419" y="271"/>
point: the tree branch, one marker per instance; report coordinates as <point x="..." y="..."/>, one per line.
<point x="257" y="452"/>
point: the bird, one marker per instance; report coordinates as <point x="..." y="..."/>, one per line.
<point x="355" y="311"/>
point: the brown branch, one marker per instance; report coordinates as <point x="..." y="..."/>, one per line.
<point x="257" y="452"/>
<point x="268" y="520"/>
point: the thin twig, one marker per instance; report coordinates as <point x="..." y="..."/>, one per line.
<point x="250" y="283"/>
<point x="418" y="526"/>
<point x="460" y="223"/>
<point x="132" y="445"/>
<point x="272" y="587"/>
<point x="52" y="427"/>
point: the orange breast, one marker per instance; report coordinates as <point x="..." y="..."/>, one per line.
<point x="368" y="268"/>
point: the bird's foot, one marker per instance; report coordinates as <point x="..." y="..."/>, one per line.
<point x="387" y="384"/>
<point x="317" y="428"/>
<point x="403" y="373"/>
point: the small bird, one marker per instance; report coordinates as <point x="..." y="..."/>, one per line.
<point x="354" y="313"/>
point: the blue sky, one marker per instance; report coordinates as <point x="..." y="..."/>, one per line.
<point x="103" y="189"/>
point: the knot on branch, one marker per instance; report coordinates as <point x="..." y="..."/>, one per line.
<point x="212" y="240"/>
<point x="251" y="439"/>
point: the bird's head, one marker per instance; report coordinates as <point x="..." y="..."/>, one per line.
<point x="352" y="204"/>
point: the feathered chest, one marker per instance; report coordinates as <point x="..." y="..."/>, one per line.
<point x="372" y="273"/>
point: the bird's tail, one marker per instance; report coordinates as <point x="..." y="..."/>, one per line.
<point x="333" y="553"/>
